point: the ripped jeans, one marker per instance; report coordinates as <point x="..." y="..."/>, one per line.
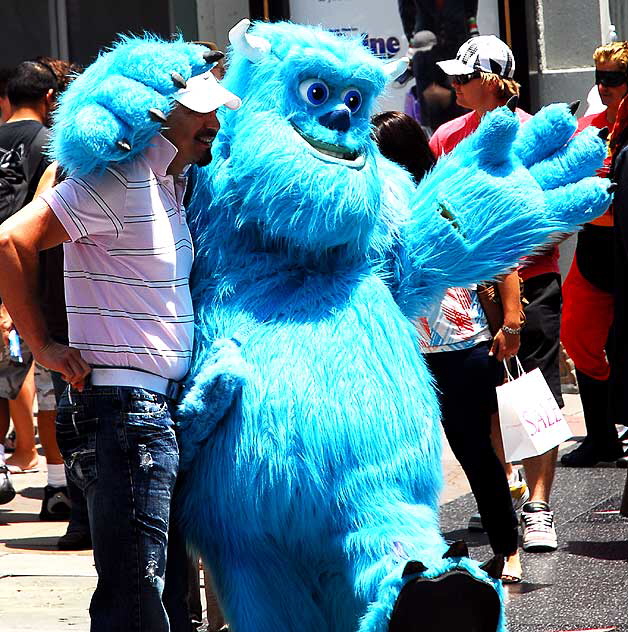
<point x="120" y="448"/>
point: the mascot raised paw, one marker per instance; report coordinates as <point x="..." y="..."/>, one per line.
<point x="310" y="426"/>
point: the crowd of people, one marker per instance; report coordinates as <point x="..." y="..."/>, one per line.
<point x="114" y="303"/>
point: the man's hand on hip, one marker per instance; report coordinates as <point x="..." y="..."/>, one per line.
<point x="64" y="360"/>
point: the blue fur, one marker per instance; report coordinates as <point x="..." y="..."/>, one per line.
<point x="493" y="198"/>
<point x="310" y="430"/>
<point x="111" y="99"/>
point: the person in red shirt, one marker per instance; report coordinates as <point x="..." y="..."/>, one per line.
<point x="459" y="348"/>
<point x="482" y="74"/>
<point x="588" y="290"/>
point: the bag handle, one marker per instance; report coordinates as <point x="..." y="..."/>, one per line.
<point x="520" y="371"/>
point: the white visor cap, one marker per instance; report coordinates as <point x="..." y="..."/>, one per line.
<point x="204" y="94"/>
<point x="486" y="53"/>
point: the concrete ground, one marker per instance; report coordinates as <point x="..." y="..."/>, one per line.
<point x="581" y="586"/>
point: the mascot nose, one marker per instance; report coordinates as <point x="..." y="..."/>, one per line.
<point x="339" y="119"/>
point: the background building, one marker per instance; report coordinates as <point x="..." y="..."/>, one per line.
<point x="552" y="39"/>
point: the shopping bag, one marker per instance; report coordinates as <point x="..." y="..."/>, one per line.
<point x="530" y="419"/>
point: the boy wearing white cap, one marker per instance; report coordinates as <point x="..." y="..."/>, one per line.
<point x="128" y="255"/>
<point x="483" y="77"/>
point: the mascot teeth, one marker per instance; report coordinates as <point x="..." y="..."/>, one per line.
<point x="329" y="152"/>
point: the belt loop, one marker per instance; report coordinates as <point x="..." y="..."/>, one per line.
<point x="173" y="390"/>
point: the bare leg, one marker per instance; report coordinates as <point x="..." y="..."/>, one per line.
<point x="215" y="618"/>
<point x="21" y="409"/>
<point x="540" y="475"/>
<point x="4" y="418"/>
<point x="4" y="425"/>
<point x="47" y="436"/>
<point x="498" y="444"/>
<point x="512" y="568"/>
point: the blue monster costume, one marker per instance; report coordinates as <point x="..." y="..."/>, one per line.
<point x="310" y="430"/>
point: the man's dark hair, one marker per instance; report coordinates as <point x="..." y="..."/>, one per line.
<point x="64" y="71"/>
<point x="5" y="75"/>
<point x="30" y="82"/>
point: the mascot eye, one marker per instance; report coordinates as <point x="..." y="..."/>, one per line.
<point x="314" y="91"/>
<point x="352" y="99"/>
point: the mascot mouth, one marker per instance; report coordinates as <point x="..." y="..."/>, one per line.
<point x="329" y="152"/>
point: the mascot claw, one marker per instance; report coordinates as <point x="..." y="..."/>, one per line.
<point x="178" y="80"/>
<point x="413" y="567"/>
<point x="213" y="56"/>
<point x="494" y="567"/>
<point x="157" y="116"/>
<point x="124" y="145"/>
<point x="573" y="107"/>
<point x="457" y="549"/>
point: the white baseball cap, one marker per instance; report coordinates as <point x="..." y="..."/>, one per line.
<point x="484" y="52"/>
<point x="204" y="94"/>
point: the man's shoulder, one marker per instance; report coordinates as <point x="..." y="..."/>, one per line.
<point x="449" y="134"/>
<point x="20" y="132"/>
<point x="130" y="172"/>
<point x="455" y="126"/>
<point x="596" y="120"/>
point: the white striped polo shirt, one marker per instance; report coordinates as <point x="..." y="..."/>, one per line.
<point x="128" y="263"/>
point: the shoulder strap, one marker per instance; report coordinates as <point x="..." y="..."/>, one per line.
<point x="35" y="153"/>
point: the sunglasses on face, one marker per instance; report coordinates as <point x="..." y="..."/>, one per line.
<point x="464" y="79"/>
<point x="610" y="78"/>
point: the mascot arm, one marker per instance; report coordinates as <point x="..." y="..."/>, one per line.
<point x="112" y="111"/>
<point x="210" y="395"/>
<point x="502" y="193"/>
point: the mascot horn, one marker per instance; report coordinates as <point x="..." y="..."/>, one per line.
<point x="310" y="427"/>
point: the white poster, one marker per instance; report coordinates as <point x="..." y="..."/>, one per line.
<point x="379" y="24"/>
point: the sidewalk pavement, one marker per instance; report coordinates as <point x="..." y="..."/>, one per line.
<point x="46" y="590"/>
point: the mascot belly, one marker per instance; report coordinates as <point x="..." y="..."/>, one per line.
<point x="322" y="480"/>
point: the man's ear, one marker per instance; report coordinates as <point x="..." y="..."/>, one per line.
<point x="51" y="98"/>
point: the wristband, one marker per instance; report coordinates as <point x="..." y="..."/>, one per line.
<point x="511" y="330"/>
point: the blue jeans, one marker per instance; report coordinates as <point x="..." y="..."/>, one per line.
<point x="120" y="449"/>
<point x="79" y="521"/>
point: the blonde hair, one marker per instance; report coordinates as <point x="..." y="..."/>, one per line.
<point x="504" y="88"/>
<point x="615" y="52"/>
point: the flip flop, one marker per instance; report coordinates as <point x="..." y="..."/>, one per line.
<point x="511" y="579"/>
<point x="16" y="469"/>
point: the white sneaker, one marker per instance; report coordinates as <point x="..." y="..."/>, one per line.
<point x="537" y="524"/>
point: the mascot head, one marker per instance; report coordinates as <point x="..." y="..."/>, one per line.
<point x="303" y="166"/>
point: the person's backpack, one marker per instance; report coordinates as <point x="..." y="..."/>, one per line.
<point x="18" y="165"/>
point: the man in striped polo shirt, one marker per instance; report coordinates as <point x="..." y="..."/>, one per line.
<point x="128" y="256"/>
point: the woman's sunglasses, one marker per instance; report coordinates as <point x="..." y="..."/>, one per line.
<point x="464" y="79"/>
<point x="610" y="78"/>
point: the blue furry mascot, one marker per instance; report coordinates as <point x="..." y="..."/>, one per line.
<point x="310" y="427"/>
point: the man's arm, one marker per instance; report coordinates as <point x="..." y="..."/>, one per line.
<point x="22" y="236"/>
<point x="507" y="345"/>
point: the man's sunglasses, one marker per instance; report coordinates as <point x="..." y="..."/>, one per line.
<point x="464" y="79"/>
<point x="610" y="78"/>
